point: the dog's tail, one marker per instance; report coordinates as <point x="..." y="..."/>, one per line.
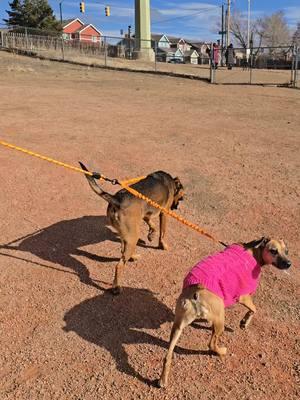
<point x="97" y="189"/>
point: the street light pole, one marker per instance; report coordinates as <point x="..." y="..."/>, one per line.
<point x="248" y="32"/>
<point x="60" y="11"/>
<point x="228" y="23"/>
<point x="62" y="36"/>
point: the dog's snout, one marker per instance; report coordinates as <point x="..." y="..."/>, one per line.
<point x="288" y="263"/>
<point x="284" y="264"/>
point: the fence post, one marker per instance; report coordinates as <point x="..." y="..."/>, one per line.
<point x="296" y="66"/>
<point x="2" y="35"/>
<point x="212" y="69"/>
<point x="251" y="66"/>
<point x="26" y="39"/>
<point x="62" y="47"/>
<point x="155" y="55"/>
<point x="293" y="66"/>
<point x="105" y="51"/>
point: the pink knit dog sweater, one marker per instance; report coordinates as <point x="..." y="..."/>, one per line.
<point x="229" y="274"/>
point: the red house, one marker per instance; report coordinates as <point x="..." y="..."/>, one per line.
<point x="74" y="29"/>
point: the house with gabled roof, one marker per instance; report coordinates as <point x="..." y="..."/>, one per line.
<point x="168" y="54"/>
<point x="179" y="43"/>
<point x="75" y="29"/>
<point x="191" y="56"/>
<point x="162" y="41"/>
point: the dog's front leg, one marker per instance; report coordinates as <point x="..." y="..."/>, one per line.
<point x="247" y="302"/>
<point x="162" y="231"/>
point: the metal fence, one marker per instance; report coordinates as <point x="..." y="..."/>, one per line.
<point x="117" y="52"/>
<point x="265" y="66"/>
<point x="260" y="66"/>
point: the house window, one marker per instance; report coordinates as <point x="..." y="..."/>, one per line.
<point x="94" y="38"/>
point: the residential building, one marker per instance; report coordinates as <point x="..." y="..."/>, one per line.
<point x="75" y="29"/>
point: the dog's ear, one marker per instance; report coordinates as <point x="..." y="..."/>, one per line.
<point x="261" y="242"/>
<point x="255" y="244"/>
<point x="178" y="184"/>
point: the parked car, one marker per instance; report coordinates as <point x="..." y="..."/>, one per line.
<point x="176" y="61"/>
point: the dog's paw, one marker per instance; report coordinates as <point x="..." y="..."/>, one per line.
<point x="159" y="384"/>
<point x="243" y="324"/>
<point x="134" y="257"/>
<point x="222" y="351"/>
<point x="163" y="246"/>
<point x="151" y="236"/>
<point x="115" y="290"/>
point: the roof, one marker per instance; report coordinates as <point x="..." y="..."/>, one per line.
<point x="190" y="52"/>
<point x="197" y="44"/>
<point x="158" y="36"/>
<point x="83" y="27"/>
<point x="67" y="22"/>
<point x="174" y="39"/>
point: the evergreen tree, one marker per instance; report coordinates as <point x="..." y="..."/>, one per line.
<point x="15" y="14"/>
<point x="32" y="14"/>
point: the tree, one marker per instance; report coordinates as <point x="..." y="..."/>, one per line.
<point x="296" y="36"/>
<point x="239" y="29"/>
<point x="32" y="13"/>
<point x="274" y="30"/>
<point x="15" y="15"/>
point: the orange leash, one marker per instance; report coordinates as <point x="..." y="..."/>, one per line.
<point x="125" y="184"/>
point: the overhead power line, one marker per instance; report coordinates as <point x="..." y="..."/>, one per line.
<point x="203" y="10"/>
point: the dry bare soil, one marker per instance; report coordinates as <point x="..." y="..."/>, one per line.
<point x="236" y="149"/>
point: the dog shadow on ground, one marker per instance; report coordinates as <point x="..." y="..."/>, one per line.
<point x="112" y="322"/>
<point x="60" y="242"/>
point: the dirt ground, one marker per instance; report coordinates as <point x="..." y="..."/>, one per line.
<point x="235" y="148"/>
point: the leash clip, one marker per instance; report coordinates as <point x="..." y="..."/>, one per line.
<point x="96" y="175"/>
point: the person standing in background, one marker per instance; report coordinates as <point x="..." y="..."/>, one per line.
<point x="230" y="55"/>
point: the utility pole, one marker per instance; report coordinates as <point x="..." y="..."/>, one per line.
<point x="62" y="36"/>
<point x="228" y="23"/>
<point x="60" y="12"/>
<point x="129" y="42"/>
<point x="222" y="37"/>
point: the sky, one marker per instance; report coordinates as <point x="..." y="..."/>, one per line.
<point x="190" y="19"/>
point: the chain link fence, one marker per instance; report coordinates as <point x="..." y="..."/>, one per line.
<point x="174" y="56"/>
<point x="276" y="66"/>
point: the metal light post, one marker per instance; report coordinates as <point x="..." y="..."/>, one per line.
<point x="60" y="11"/>
<point x="228" y="14"/>
<point x="248" y="32"/>
<point x="62" y="37"/>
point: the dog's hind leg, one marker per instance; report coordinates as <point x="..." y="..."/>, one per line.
<point x="128" y="252"/>
<point x="151" y="228"/>
<point x="162" y="231"/>
<point x="217" y="330"/>
<point x="247" y="302"/>
<point x="185" y="314"/>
